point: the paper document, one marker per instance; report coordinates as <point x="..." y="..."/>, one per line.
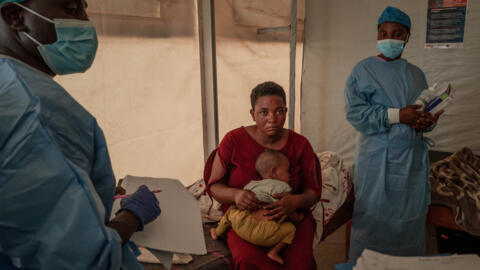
<point x="179" y="226"/>
<point x="371" y="260"/>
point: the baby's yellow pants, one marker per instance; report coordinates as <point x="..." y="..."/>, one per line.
<point x="260" y="233"/>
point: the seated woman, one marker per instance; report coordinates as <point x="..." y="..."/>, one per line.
<point x="232" y="166"/>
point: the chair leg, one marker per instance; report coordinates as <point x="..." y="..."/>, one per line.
<point x="347" y="237"/>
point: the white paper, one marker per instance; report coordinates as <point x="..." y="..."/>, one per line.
<point x="372" y="260"/>
<point x="164" y="257"/>
<point x="156" y="257"/>
<point x="179" y="226"/>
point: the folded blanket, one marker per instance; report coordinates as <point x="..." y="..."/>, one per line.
<point x="336" y="187"/>
<point x="209" y="207"/>
<point x="455" y="183"/>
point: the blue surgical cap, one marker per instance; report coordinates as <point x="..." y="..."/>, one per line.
<point x="7" y="1"/>
<point x="392" y="14"/>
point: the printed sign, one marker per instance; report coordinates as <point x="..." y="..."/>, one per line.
<point x="446" y="23"/>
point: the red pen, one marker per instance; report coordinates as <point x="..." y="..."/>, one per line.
<point x="125" y="195"/>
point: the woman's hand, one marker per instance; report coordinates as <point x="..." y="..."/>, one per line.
<point x="120" y="190"/>
<point x="409" y="114"/>
<point x="426" y="120"/>
<point x="284" y="207"/>
<point x="246" y="200"/>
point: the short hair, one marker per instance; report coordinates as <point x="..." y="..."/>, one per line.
<point x="267" y="89"/>
<point x="268" y="160"/>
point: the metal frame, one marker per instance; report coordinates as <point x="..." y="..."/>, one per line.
<point x="206" y="29"/>
<point x="208" y="68"/>
<point x="293" y="54"/>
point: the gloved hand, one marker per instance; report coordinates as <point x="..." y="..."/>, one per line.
<point x="143" y="204"/>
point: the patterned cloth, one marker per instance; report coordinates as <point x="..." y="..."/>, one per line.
<point x="337" y="186"/>
<point x="455" y="183"/>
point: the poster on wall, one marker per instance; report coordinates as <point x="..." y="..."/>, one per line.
<point x="446" y="23"/>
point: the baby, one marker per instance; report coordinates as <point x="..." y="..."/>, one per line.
<point x="273" y="167"/>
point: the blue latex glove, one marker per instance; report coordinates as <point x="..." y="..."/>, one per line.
<point x="143" y="204"/>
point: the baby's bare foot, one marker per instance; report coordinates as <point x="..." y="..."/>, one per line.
<point x="213" y="233"/>
<point x="275" y="257"/>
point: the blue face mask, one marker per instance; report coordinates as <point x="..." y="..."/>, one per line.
<point x="390" y="48"/>
<point x="75" y="48"/>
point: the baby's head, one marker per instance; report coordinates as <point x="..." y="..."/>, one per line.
<point x="274" y="165"/>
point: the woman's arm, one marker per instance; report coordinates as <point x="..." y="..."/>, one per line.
<point x="136" y="210"/>
<point x="311" y="186"/>
<point x="125" y="223"/>
<point x="288" y="203"/>
<point x="243" y="199"/>
<point x="222" y="193"/>
<point x="42" y="192"/>
<point x="364" y="116"/>
<point x="306" y="200"/>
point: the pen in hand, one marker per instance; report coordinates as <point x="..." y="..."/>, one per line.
<point x="125" y="195"/>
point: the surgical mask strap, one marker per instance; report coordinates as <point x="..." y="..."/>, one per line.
<point x="37" y="14"/>
<point x="34" y="12"/>
<point x="32" y="39"/>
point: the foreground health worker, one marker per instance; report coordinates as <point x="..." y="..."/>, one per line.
<point x="232" y="166"/>
<point x="392" y="191"/>
<point x="56" y="180"/>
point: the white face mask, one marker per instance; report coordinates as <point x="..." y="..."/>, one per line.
<point x="391" y="48"/>
<point x="75" y="48"/>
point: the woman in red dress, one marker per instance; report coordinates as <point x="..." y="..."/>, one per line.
<point x="232" y="166"/>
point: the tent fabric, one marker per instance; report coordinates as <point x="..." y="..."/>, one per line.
<point x="338" y="34"/>
<point x="144" y="89"/>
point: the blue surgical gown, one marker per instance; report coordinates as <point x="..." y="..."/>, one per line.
<point x="392" y="191"/>
<point x="56" y="179"/>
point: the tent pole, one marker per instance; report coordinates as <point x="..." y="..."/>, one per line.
<point x="208" y="68"/>
<point x="293" y="52"/>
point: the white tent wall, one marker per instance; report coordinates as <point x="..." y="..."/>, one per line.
<point x="246" y="58"/>
<point x="340" y="33"/>
<point x="144" y="89"/>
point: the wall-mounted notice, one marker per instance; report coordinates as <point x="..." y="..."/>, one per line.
<point x="446" y="23"/>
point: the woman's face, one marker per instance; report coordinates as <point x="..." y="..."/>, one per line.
<point x="392" y="30"/>
<point x="269" y="114"/>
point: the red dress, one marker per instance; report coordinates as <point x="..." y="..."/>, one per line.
<point x="238" y="152"/>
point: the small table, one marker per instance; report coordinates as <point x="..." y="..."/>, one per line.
<point x="441" y="216"/>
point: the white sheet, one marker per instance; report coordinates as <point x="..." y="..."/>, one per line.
<point x="179" y="226"/>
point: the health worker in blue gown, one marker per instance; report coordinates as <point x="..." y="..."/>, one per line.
<point x="392" y="191"/>
<point x="56" y="179"/>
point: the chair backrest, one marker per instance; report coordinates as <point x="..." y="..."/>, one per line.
<point x="207" y="171"/>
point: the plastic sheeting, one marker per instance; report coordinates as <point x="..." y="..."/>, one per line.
<point x="144" y="87"/>
<point x="246" y="58"/>
<point x="338" y="34"/>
